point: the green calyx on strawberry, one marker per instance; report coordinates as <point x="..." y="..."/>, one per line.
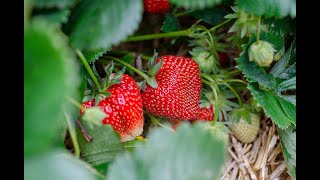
<point x="246" y="23"/>
<point x="154" y="67"/>
<point x="245" y="124"/>
<point x="121" y="102"/>
<point x="262" y="53"/>
<point x="178" y="93"/>
<point x="219" y="130"/>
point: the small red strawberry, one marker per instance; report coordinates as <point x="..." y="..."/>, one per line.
<point x="206" y="114"/>
<point x="156" y="6"/>
<point x="124" y="107"/>
<point x="178" y="92"/>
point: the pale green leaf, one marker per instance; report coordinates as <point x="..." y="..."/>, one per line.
<point x="101" y="24"/>
<point x="57" y="17"/>
<point x="198" y="4"/>
<point x="50" y="75"/>
<point x="54" y="3"/>
<point x="58" y="164"/>
<point x="171" y="23"/>
<point x="190" y="153"/>
<point x="270" y="8"/>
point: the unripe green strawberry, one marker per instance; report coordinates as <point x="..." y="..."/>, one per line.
<point x="206" y="61"/>
<point x="261" y="52"/>
<point x="244" y="131"/>
<point x="219" y="130"/>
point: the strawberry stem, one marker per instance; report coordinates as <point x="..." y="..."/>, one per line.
<point x="83" y="131"/>
<point x="76" y="103"/>
<point x="73" y="135"/>
<point x="219" y="25"/>
<point x="185" y="32"/>
<point x="88" y="68"/>
<point x="258" y="29"/>
<point x="144" y="75"/>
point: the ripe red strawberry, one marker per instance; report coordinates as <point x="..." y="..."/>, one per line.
<point x="124" y="108"/>
<point x="178" y="93"/>
<point x="206" y="114"/>
<point x="156" y="6"/>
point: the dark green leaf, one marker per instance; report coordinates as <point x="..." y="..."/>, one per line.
<point x="289" y="84"/>
<point x="54" y="3"/>
<point x="58" y="164"/>
<point x="288" y="142"/>
<point x="269" y="7"/>
<point x="95" y="72"/>
<point x="50" y="75"/>
<point x="93" y="55"/>
<point x="192" y="4"/>
<point x="289" y="109"/>
<point x="171" y="23"/>
<point x="104" y="147"/>
<point x="101" y="24"/>
<point x="281" y="65"/>
<point x="276" y="40"/>
<point x="253" y="72"/>
<point x="190" y="153"/>
<point x="212" y="16"/>
<point x="281" y="26"/>
<point x="271" y="105"/>
<point x="289" y="72"/>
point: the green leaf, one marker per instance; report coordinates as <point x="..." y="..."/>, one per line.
<point x="58" y="164"/>
<point x="93" y="116"/>
<point x="271" y="105"/>
<point x="171" y="23"/>
<point x="50" y="75"/>
<point x="93" y="55"/>
<point x="288" y="142"/>
<point x="253" y="72"/>
<point x="289" y="98"/>
<point x="276" y="40"/>
<point x="289" y="84"/>
<point x="281" y="65"/>
<point x="192" y="4"/>
<point x="131" y="145"/>
<point x="54" y="3"/>
<point x="269" y="8"/>
<point x="101" y="24"/>
<point x="27" y="7"/>
<point x="190" y="153"/>
<point x="212" y="16"/>
<point x="289" y="109"/>
<point x="289" y="72"/>
<point x="281" y="26"/>
<point x="104" y="147"/>
<point x="56" y="17"/>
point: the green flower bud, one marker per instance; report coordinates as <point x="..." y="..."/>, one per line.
<point x="261" y="52"/>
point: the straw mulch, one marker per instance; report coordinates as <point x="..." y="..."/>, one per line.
<point x="261" y="159"/>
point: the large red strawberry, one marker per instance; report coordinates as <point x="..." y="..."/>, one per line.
<point x="178" y="92"/>
<point x="124" y="108"/>
<point x="156" y="6"/>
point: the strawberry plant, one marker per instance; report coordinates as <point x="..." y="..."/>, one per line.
<point x="157" y="89"/>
